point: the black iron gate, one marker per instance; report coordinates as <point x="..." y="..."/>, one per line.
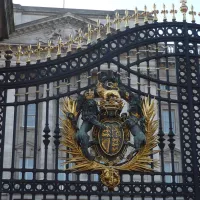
<point x="160" y="60"/>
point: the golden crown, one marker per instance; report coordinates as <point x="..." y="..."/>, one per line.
<point x="111" y="104"/>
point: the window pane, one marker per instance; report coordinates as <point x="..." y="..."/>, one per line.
<point x="165" y="121"/>
<point x="31" y="109"/>
<point x="28" y="165"/>
<point x="61" y="166"/>
<point x="61" y="115"/>
<point x="168" y="168"/>
<point x="162" y="87"/>
<point x="31" y="121"/>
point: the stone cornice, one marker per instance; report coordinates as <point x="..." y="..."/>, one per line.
<point x="45" y="23"/>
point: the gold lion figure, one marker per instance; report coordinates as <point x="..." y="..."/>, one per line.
<point x="104" y="93"/>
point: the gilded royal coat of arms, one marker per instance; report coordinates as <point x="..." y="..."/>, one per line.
<point x="109" y="140"/>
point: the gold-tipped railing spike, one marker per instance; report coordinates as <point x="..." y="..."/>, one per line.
<point x="89" y="34"/>
<point x="155" y="12"/>
<point x="126" y="19"/>
<point x="79" y="38"/>
<point x="117" y="21"/>
<point x="59" y="46"/>
<point x="29" y="52"/>
<point x="136" y="16"/>
<point x="192" y="13"/>
<point x="69" y="43"/>
<point x="48" y="48"/>
<point x="38" y="51"/>
<point x="173" y="11"/>
<point x="184" y="8"/>
<point x="108" y="25"/>
<point x="164" y="12"/>
<point x="18" y="54"/>
<point x="145" y="14"/>
<point x="98" y="29"/>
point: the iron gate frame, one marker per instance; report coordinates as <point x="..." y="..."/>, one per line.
<point x="105" y="51"/>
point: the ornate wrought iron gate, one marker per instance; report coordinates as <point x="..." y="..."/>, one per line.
<point x="160" y="60"/>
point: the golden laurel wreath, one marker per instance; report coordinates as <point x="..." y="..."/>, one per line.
<point x="141" y="162"/>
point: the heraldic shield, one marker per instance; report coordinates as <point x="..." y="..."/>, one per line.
<point x="112" y="141"/>
<point x="103" y="141"/>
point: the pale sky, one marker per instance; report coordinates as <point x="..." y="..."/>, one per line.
<point x="113" y="5"/>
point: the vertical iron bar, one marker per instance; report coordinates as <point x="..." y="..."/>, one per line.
<point x="138" y="71"/>
<point x="161" y="138"/>
<point x="46" y="135"/>
<point x="2" y="137"/>
<point x="57" y="137"/>
<point x="36" y="138"/>
<point x="171" y="133"/>
<point x="24" y="141"/>
<point x="14" y="140"/>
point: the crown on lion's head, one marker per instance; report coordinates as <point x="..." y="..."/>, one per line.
<point x="111" y="104"/>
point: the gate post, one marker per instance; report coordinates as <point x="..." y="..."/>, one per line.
<point x="193" y="106"/>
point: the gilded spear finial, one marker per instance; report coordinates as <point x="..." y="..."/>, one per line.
<point x="38" y="51"/>
<point x="79" y="38"/>
<point x="59" y="46"/>
<point x="136" y="16"/>
<point x="108" y="25"/>
<point x="145" y="14"/>
<point x="193" y="13"/>
<point x="184" y="8"/>
<point x="18" y="54"/>
<point x="173" y="12"/>
<point x="126" y="18"/>
<point x="117" y="21"/>
<point x="98" y="29"/>
<point x="48" y="48"/>
<point x="155" y="12"/>
<point x="89" y="34"/>
<point x="69" y="43"/>
<point x="164" y="12"/>
<point x="29" y="52"/>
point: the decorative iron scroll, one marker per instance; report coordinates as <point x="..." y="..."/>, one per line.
<point x="111" y="130"/>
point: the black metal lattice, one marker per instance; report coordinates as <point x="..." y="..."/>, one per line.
<point x="172" y="47"/>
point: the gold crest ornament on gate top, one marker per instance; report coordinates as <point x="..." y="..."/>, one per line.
<point x="111" y="148"/>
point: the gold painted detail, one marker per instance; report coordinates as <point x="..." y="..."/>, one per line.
<point x="142" y="161"/>
<point x="111" y="139"/>
<point x="105" y="94"/>
<point x="173" y="12"/>
<point x="110" y="177"/>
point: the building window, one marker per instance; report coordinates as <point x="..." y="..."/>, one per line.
<point x="31" y="109"/>
<point x="61" y="115"/>
<point x="62" y="166"/>
<point x="28" y="165"/>
<point x="166" y="122"/>
<point x="166" y="87"/>
<point x="96" y="177"/>
<point x="168" y="168"/>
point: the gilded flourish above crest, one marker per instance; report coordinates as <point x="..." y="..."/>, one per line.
<point x="103" y="141"/>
